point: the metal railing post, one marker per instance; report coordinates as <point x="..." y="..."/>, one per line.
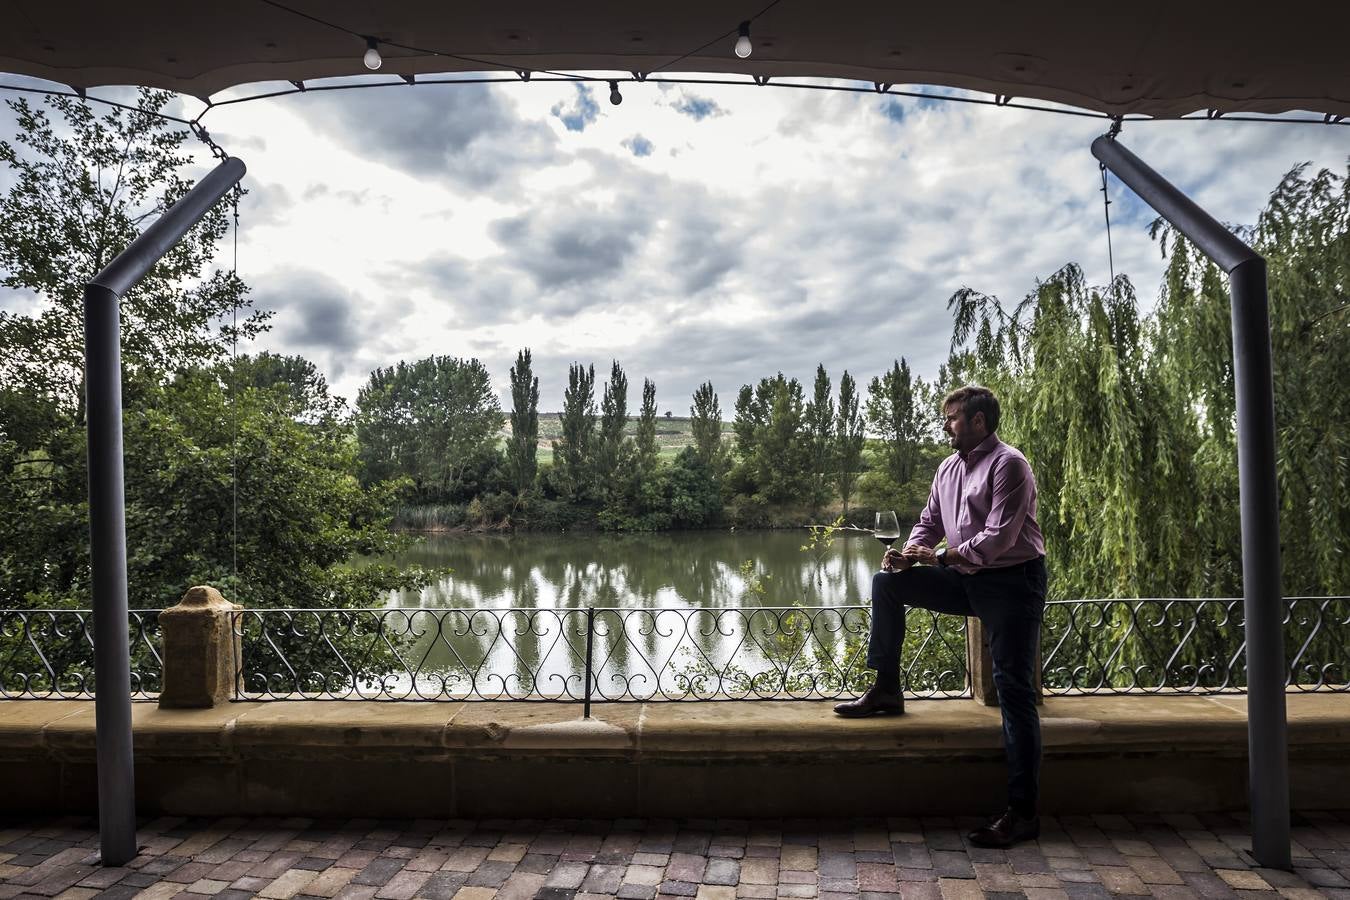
<point x="107" y="513"/>
<point x="1267" y="739"/>
<point x="590" y="644"/>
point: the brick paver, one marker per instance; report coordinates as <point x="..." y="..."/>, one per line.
<point x="1101" y="856"/>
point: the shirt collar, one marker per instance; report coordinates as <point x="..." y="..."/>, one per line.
<point x="985" y="446"/>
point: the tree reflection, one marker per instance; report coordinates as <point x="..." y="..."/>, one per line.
<point x="513" y="620"/>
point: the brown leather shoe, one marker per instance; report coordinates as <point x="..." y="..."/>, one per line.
<point x="874" y="702"/>
<point x="1006" y="830"/>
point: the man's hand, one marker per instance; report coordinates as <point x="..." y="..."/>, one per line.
<point x="894" y="561"/>
<point x="918" y="553"/>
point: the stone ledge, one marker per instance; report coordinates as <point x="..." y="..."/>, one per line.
<point x="1110" y="724"/>
<point x="354" y="757"/>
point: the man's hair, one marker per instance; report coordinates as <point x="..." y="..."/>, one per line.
<point x="975" y="398"/>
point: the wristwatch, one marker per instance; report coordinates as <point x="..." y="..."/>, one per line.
<point x="942" y="557"/>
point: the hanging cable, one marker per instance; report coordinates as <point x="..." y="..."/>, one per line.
<point x="234" y="406"/>
<point x="721" y="37"/>
<point x="1106" y="204"/>
<point x="1106" y="208"/>
<point x="371" y="43"/>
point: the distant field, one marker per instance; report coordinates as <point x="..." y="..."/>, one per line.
<point x="673" y="433"/>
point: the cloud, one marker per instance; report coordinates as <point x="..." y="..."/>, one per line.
<point x="702" y="252"/>
<point x="20" y="302"/>
<point x="573" y="243"/>
<point x="697" y="108"/>
<point x="264" y="203"/>
<point x="581" y="112"/>
<point x="811" y="227"/>
<point x="466" y="134"/>
<point x="314" y="311"/>
<point x="639" y="145"/>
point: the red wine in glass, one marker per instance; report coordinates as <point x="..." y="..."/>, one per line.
<point x="887" y="528"/>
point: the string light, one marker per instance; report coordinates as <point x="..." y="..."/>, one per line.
<point x="372" y="58"/>
<point x="614" y="96"/>
<point x="743" y="47"/>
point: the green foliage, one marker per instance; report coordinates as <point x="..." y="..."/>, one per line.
<point x="878" y="490"/>
<point x="1085" y="401"/>
<point x="572" y="454"/>
<point x="429" y="517"/>
<point x="82" y="190"/>
<point x="683" y="494"/>
<point x="612" y="453"/>
<point x="522" y="448"/>
<point x="301" y="384"/>
<point x="433" y="422"/>
<point x="302" y="513"/>
<point x="848" y="440"/>
<point x="1129" y="420"/>
<point x="646" y="451"/>
<point x="818" y="428"/>
<point x="820" y="543"/>
<point x="754" y="581"/>
<point x="1304" y="235"/>
<point x="774" y="460"/>
<point x="706" y="422"/>
<point x="896" y="412"/>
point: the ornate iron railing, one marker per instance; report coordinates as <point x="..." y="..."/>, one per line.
<point x="584" y="655"/>
<point x="49" y="654"/>
<point x="1189" y="646"/>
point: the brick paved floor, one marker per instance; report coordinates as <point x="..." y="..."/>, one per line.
<point x="712" y="859"/>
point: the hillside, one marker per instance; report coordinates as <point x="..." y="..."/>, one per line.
<point x="673" y="433"/>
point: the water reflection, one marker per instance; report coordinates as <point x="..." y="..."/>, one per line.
<point x="684" y="570"/>
<point x="671" y="616"/>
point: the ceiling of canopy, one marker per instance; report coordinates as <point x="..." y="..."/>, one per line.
<point x="1154" y="58"/>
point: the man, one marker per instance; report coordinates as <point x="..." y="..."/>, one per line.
<point x="983" y="501"/>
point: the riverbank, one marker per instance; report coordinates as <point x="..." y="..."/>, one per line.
<point x="451" y="519"/>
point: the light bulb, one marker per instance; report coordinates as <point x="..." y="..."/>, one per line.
<point x="372" y="57"/>
<point x="743" y="47"/>
<point x="614" y="96"/>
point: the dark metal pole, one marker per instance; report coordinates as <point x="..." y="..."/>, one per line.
<point x="107" y="514"/>
<point x="1267" y="740"/>
<point x="108" y="559"/>
<point x="1268" y="757"/>
<point x="590" y="643"/>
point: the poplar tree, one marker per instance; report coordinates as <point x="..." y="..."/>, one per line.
<point x="705" y="421"/>
<point x="522" y="462"/>
<point x="901" y="422"/>
<point x="612" y="450"/>
<point x="646" y="452"/>
<point x="849" y="434"/>
<point x="748" y="418"/>
<point x="780" y="458"/>
<point x="818" y="425"/>
<point x="572" y="454"/>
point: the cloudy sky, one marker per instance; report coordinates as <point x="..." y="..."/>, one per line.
<point x="694" y="232"/>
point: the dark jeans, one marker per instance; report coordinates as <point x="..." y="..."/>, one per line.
<point x="1009" y="603"/>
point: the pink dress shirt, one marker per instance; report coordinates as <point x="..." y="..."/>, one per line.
<point x="985" y="505"/>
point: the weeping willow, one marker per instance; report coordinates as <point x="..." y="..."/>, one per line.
<point x="1130" y="425"/>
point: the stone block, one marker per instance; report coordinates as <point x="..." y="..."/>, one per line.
<point x="200" y="653"/>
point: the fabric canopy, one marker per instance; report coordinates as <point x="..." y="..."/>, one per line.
<point x="1162" y="59"/>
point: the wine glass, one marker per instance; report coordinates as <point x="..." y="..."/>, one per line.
<point x="887" y="528"/>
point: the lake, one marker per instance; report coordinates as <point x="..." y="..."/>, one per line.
<point x="680" y="615"/>
<point x="700" y="569"/>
